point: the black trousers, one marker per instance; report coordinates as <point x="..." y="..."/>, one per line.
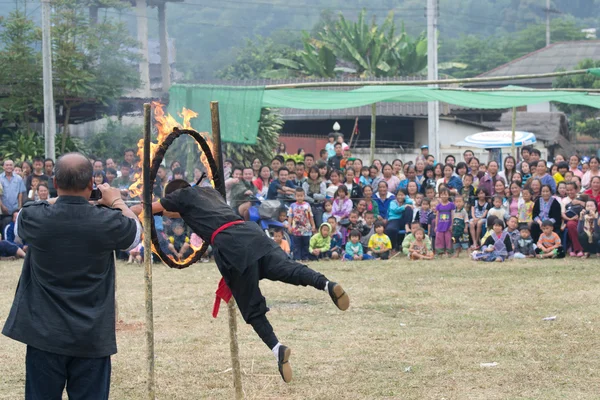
<point x="274" y="266"/>
<point x="48" y="373"/>
<point x="396" y="225"/>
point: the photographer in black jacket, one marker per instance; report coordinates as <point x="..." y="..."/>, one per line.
<point x="64" y="307"/>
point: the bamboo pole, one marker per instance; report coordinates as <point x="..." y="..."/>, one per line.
<point x="424" y="82"/>
<point x="147" y="205"/>
<point x="373" y="130"/>
<point x="513" y="148"/>
<point x="231" y="311"/>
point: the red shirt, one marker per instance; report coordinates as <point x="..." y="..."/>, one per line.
<point x="592" y="197"/>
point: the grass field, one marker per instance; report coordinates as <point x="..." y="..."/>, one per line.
<point x="417" y="330"/>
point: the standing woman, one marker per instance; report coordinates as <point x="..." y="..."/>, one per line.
<point x="263" y="181"/>
<point x="428" y="179"/>
<point x="377" y="163"/>
<point x="594" y="190"/>
<point x="371" y="203"/>
<point x="546" y="207"/>
<point x="26" y="169"/>
<point x="256" y="164"/>
<point x="438" y="172"/>
<point x="585" y="181"/>
<point x="515" y="199"/>
<point x="391" y="180"/>
<point x="474" y="169"/>
<point x="332" y="184"/>
<point x="462" y="169"/>
<point x="412" y="189"/>
<point x="354" y="190"/>
<point x="509" y="169"/>
<point x="574" y="166"/>
<point x="451" y="181"/>
<point x="400" y="216"/>
<point x="397" y="169"/>
<point x="420" y="171"/>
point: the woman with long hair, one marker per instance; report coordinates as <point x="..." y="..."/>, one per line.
<point x="510" y="165"/>
<point x="391" y="180"/>
<point x="263" y="181"/>
<point x="451" y="181"/>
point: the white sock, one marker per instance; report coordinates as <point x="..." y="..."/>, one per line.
<point x="326" y="287"/>
<point x="275" y="350"/>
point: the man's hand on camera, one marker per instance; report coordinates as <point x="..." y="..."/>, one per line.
<point x="109" y="195"/>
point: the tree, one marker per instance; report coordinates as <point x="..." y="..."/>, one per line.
<point x="270" y="126"/>
<point x="20" y="71"/>
<point x="583" y="120"/>
<point x="256" y="58"/>
<point x="93" y="63"/>
<point x="359" y="48"/>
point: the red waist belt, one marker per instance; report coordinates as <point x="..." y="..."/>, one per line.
<point x="222" y="228"/>
<point x="222" y="292"/>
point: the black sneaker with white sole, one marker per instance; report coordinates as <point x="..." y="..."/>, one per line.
<point x="283" y="360"/>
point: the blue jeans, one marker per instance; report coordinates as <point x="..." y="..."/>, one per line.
<point x="301" y="244"/>
<point x="365" y="257"/>
<point x="47" y="374"/>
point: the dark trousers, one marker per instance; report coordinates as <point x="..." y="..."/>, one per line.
<point x="587" y="246"/>
<point x="47" y="374"/>
<point x="275" y="266"/>
<point x="301" y="244"/>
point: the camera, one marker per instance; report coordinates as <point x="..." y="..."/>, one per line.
<point x="96" y="195"/>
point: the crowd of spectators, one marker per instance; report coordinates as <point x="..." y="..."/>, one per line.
<point x="335" y="206"/>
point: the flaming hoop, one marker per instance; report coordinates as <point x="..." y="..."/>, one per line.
<point x="156" y="161"/>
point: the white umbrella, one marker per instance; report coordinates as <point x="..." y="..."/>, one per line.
<point x="497" y="140"/>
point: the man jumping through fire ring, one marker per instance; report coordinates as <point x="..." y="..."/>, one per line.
<point x="244" y="256"/>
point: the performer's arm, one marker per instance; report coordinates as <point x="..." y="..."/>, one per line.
<point x="157" y="208"/>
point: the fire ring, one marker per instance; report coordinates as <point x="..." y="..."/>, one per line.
<point x="156" y="161"/>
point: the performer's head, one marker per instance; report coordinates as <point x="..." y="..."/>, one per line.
<point x="176" y="184"/>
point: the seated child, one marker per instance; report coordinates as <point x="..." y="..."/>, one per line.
<point x="179" y="243"/>
<point x="379" y="243"/>
<point x="320" y="244"/>
<point x="418" y="249"/>
<point x="497" y="246"/>
<point x="354" y="250"/>
<point x="196" y="242"/>
<point x="278" y="238"/>
<point x="10" y="251"/>
<point x="368" y="229"/>
<point x="408" y="239"/>
<point x="524" y="246"/>
<point x="336" y="237"/>
<point x="549" y="244"/>
<point x="9" y="233"/>
<point x="136" y="254"/>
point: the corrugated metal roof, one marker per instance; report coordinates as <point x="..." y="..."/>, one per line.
<point x="561" y="55"/>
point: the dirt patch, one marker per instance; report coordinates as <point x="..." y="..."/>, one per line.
<point x="123" y="326"/>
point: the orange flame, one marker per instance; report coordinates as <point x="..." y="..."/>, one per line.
<point x="164" y="125"/>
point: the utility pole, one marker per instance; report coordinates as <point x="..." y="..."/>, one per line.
<point x="548" y="10"/>
<point x="547" y="23"/>
<point x="49" y="111"/>
<point x="433" y="107"/>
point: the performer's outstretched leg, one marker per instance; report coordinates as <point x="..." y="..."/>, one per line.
<point x="253" y="307"/>
<point x="275" y="266"/>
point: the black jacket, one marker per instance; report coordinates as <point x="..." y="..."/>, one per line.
<point x="65" y="300"/>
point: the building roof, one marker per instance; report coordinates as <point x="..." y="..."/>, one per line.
<point x="384" y="109"/>
<point x="557" y="56"/>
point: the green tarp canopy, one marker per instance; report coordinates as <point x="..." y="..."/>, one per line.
<point x="240" y="106"/>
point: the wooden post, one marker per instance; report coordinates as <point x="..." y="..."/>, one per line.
<point x="147" y="205"/>
<point x="373" y="130"/>
<point x="513" y="149"/>
<point x="231" y="311"/>
<point x="142" y="36"/>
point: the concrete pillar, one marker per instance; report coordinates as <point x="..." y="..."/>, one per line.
<point x="165" y="67"/>
<point x="142" y="35"/>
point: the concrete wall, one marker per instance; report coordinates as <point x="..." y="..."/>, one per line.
<point x="450" y="132"/>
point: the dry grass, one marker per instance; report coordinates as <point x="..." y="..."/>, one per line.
<point x="413" y="331"/>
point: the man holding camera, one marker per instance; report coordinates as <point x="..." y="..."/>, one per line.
<point x="64" y="307"/>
